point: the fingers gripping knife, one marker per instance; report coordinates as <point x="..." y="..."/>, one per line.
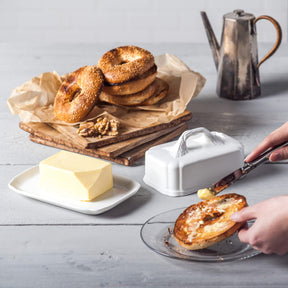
<point x="248" y="166"/>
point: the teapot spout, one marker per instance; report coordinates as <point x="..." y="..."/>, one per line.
<point x="211" y="38"/>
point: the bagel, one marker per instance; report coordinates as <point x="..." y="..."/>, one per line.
<point x="161" y="93"/>
<point x="132" y="99"/>
<point x="136" y="85"/>
<point x="208" y="222"/>
<point x="125" y="63"/>
<point x="78" y="94"/>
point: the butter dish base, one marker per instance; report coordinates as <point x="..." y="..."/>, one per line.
<point x="27" y="183"/>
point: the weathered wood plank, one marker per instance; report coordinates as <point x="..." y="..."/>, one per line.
<point x="114" y="256"/>
<point x="128" y="158"/>
<point x="46" y="246"/>
<point x="44" y="134"/>
<point x="260" y="184"/>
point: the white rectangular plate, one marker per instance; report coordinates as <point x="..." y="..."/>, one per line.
<point x="27" y="183"/>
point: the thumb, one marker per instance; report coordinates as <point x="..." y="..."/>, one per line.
<point x="245" y="214"/>
<point x="243" y="234"/>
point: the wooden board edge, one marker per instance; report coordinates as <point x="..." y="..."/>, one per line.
<point x="84" y="143"/>
<point x="48" y="133"/>
<point x="138" y="141"/>
<point x="127" y="159"/>
<point x="61" y="139"/>
<point x="87" y="152"/>
<point x="138" y="152"/>
<point x="143" y="131"/>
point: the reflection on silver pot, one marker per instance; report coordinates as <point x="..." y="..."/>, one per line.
<point x="236" y="59"/>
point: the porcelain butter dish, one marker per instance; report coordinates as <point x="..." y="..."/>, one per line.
<point x="196" y="160"/>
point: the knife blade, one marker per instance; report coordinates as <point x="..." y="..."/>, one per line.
<point x="239" y="173"/>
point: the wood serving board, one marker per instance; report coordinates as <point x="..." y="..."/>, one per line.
<point x="125" y="152"/>
<point x="94" y="142"/>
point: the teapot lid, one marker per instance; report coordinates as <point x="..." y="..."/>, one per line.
<point x="239" y="14"/>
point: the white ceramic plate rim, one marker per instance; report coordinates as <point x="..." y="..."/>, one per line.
<point x="27" y="183"/>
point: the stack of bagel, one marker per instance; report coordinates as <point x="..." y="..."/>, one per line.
<point x="130" y="77"/>
<point x="123" y="76"/>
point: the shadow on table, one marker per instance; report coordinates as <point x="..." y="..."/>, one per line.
<point x="230" y="123"/>
<point x="274" y="87"/>
<point x="142" y="197"/>
<point x="259" y="264"/>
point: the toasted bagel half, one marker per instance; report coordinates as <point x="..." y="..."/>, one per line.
<point x="208" y="222"/>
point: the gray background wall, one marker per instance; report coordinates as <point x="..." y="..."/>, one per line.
<point x="135" y="21"/>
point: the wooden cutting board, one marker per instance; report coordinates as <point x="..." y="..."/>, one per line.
<point x="94" y="142"/>
<point x="125" y="152"/>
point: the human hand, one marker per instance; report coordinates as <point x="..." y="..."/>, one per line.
<point x="278" y="136"/>
<point x="269" y="233"/>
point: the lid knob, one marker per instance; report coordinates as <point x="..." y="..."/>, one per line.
<point x="238" y="12"/>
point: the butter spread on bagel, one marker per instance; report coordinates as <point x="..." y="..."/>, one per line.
<point x="205" y="194"/>
<point x="208" y="222"/>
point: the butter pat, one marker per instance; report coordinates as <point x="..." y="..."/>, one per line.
<point x="75" y="176"/>
<point x="205" y="194"/>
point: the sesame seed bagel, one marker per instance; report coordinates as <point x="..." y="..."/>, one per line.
<point x="78" y="94"/>
<point x="160" y="93"/>
<point x="132" y="99"/>
<point x="125" y="63"/>
<point x="208" y="222"/>
<point x="136" y="85"/>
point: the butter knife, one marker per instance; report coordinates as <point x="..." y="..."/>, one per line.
<point x="239" y="173"/>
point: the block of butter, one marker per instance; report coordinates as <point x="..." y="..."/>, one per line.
<point x="75" y="176"/>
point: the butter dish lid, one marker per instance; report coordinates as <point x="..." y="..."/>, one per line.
<point x="196" y="160"/>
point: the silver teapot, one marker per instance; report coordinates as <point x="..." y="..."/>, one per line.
<point x="236" y="58"/>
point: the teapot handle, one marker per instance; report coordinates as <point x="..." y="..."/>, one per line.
<point x="278" y="40"/>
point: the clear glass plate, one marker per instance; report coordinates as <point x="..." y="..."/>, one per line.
<point x="156" y="234"/>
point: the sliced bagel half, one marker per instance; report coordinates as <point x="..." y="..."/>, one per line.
<point x="208" y="222"/>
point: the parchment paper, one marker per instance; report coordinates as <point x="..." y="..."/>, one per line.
<point x="33" y="100"/>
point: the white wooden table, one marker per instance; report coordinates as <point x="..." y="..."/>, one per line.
<point x="45" y="246"/>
